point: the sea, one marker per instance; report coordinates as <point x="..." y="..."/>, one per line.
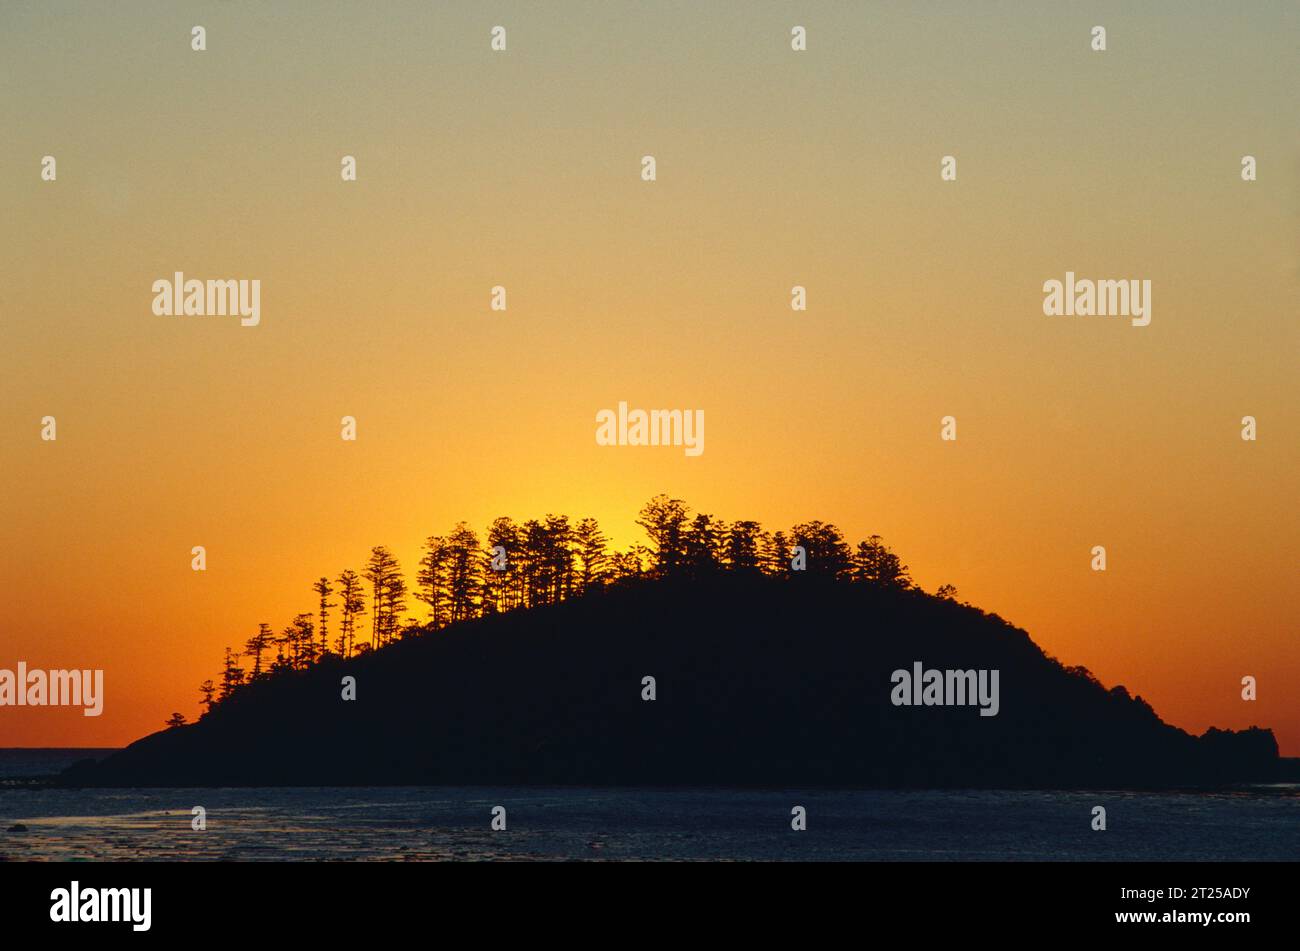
<point x="450" y="823"/>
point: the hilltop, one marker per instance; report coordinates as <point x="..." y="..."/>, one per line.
<point x="758" y="681"/>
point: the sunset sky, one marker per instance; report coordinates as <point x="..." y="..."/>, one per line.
<point x="775" y="168"/>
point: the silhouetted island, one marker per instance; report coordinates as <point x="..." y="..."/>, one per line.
<point x="763" y="675"/>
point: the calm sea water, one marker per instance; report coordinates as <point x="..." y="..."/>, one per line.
<point x="546" y="823"/>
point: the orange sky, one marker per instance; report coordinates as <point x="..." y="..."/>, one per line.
<point x="774" y="168"/>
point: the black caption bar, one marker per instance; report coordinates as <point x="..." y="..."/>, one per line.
<point x="333" y="900"/>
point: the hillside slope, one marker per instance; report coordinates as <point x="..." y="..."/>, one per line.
<point x="758" y="682"/>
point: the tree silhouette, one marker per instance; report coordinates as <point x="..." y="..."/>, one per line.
<point x="301" y="635"/>
<point x="828" y="553"/>
<point x="743" y="542"/>
<point x="380" y="571"/>
<point x="352" y="606"/>
<point x="258" y="644"/>
<point x="534" y="563"/>
<point x="207" y="694"/>
<point x="874" y="563"/>
<point x="664" y="520"/>
<point x="702" y="548"/>
<point x="283" y="651"/>
<point x="499" y="583"/>
<point x="547" y="561"/>
<point x="232" y="675"/>
<point x="394" y="605"/>
<point x="559" y="553"/>
<point x="286" y="654"/>
<point x="431" y="580"/>
<point x="590" y="544"/>
<point x="463" y="573"/>
<point x="631" y="565"/>
<point x="322" y="587"/>
<point x="776" y="555"/>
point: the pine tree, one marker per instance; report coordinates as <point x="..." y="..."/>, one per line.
<point x="394" y="606"/>
<point x="322" y="588"/>
<point x="559" y="555"/>
<point x="874" y="563"/>
<point x="592" y="559"/>
<point x="464" y="579"/>
<point x="776" y="555"/>
<point x="380" y="572"/>
<point x="352" y="605"/>
<point x="302" y="634"/>
<point x="743" y="547"/>
<point x="827" y="552"/>
<point x="258" y="644"/>
<point x="431" y="580"/>
<point x="232" y="675"/>
<point x="664" y="520"/>
<point x="701" y="545"/>
<point x="499" y="583"/>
